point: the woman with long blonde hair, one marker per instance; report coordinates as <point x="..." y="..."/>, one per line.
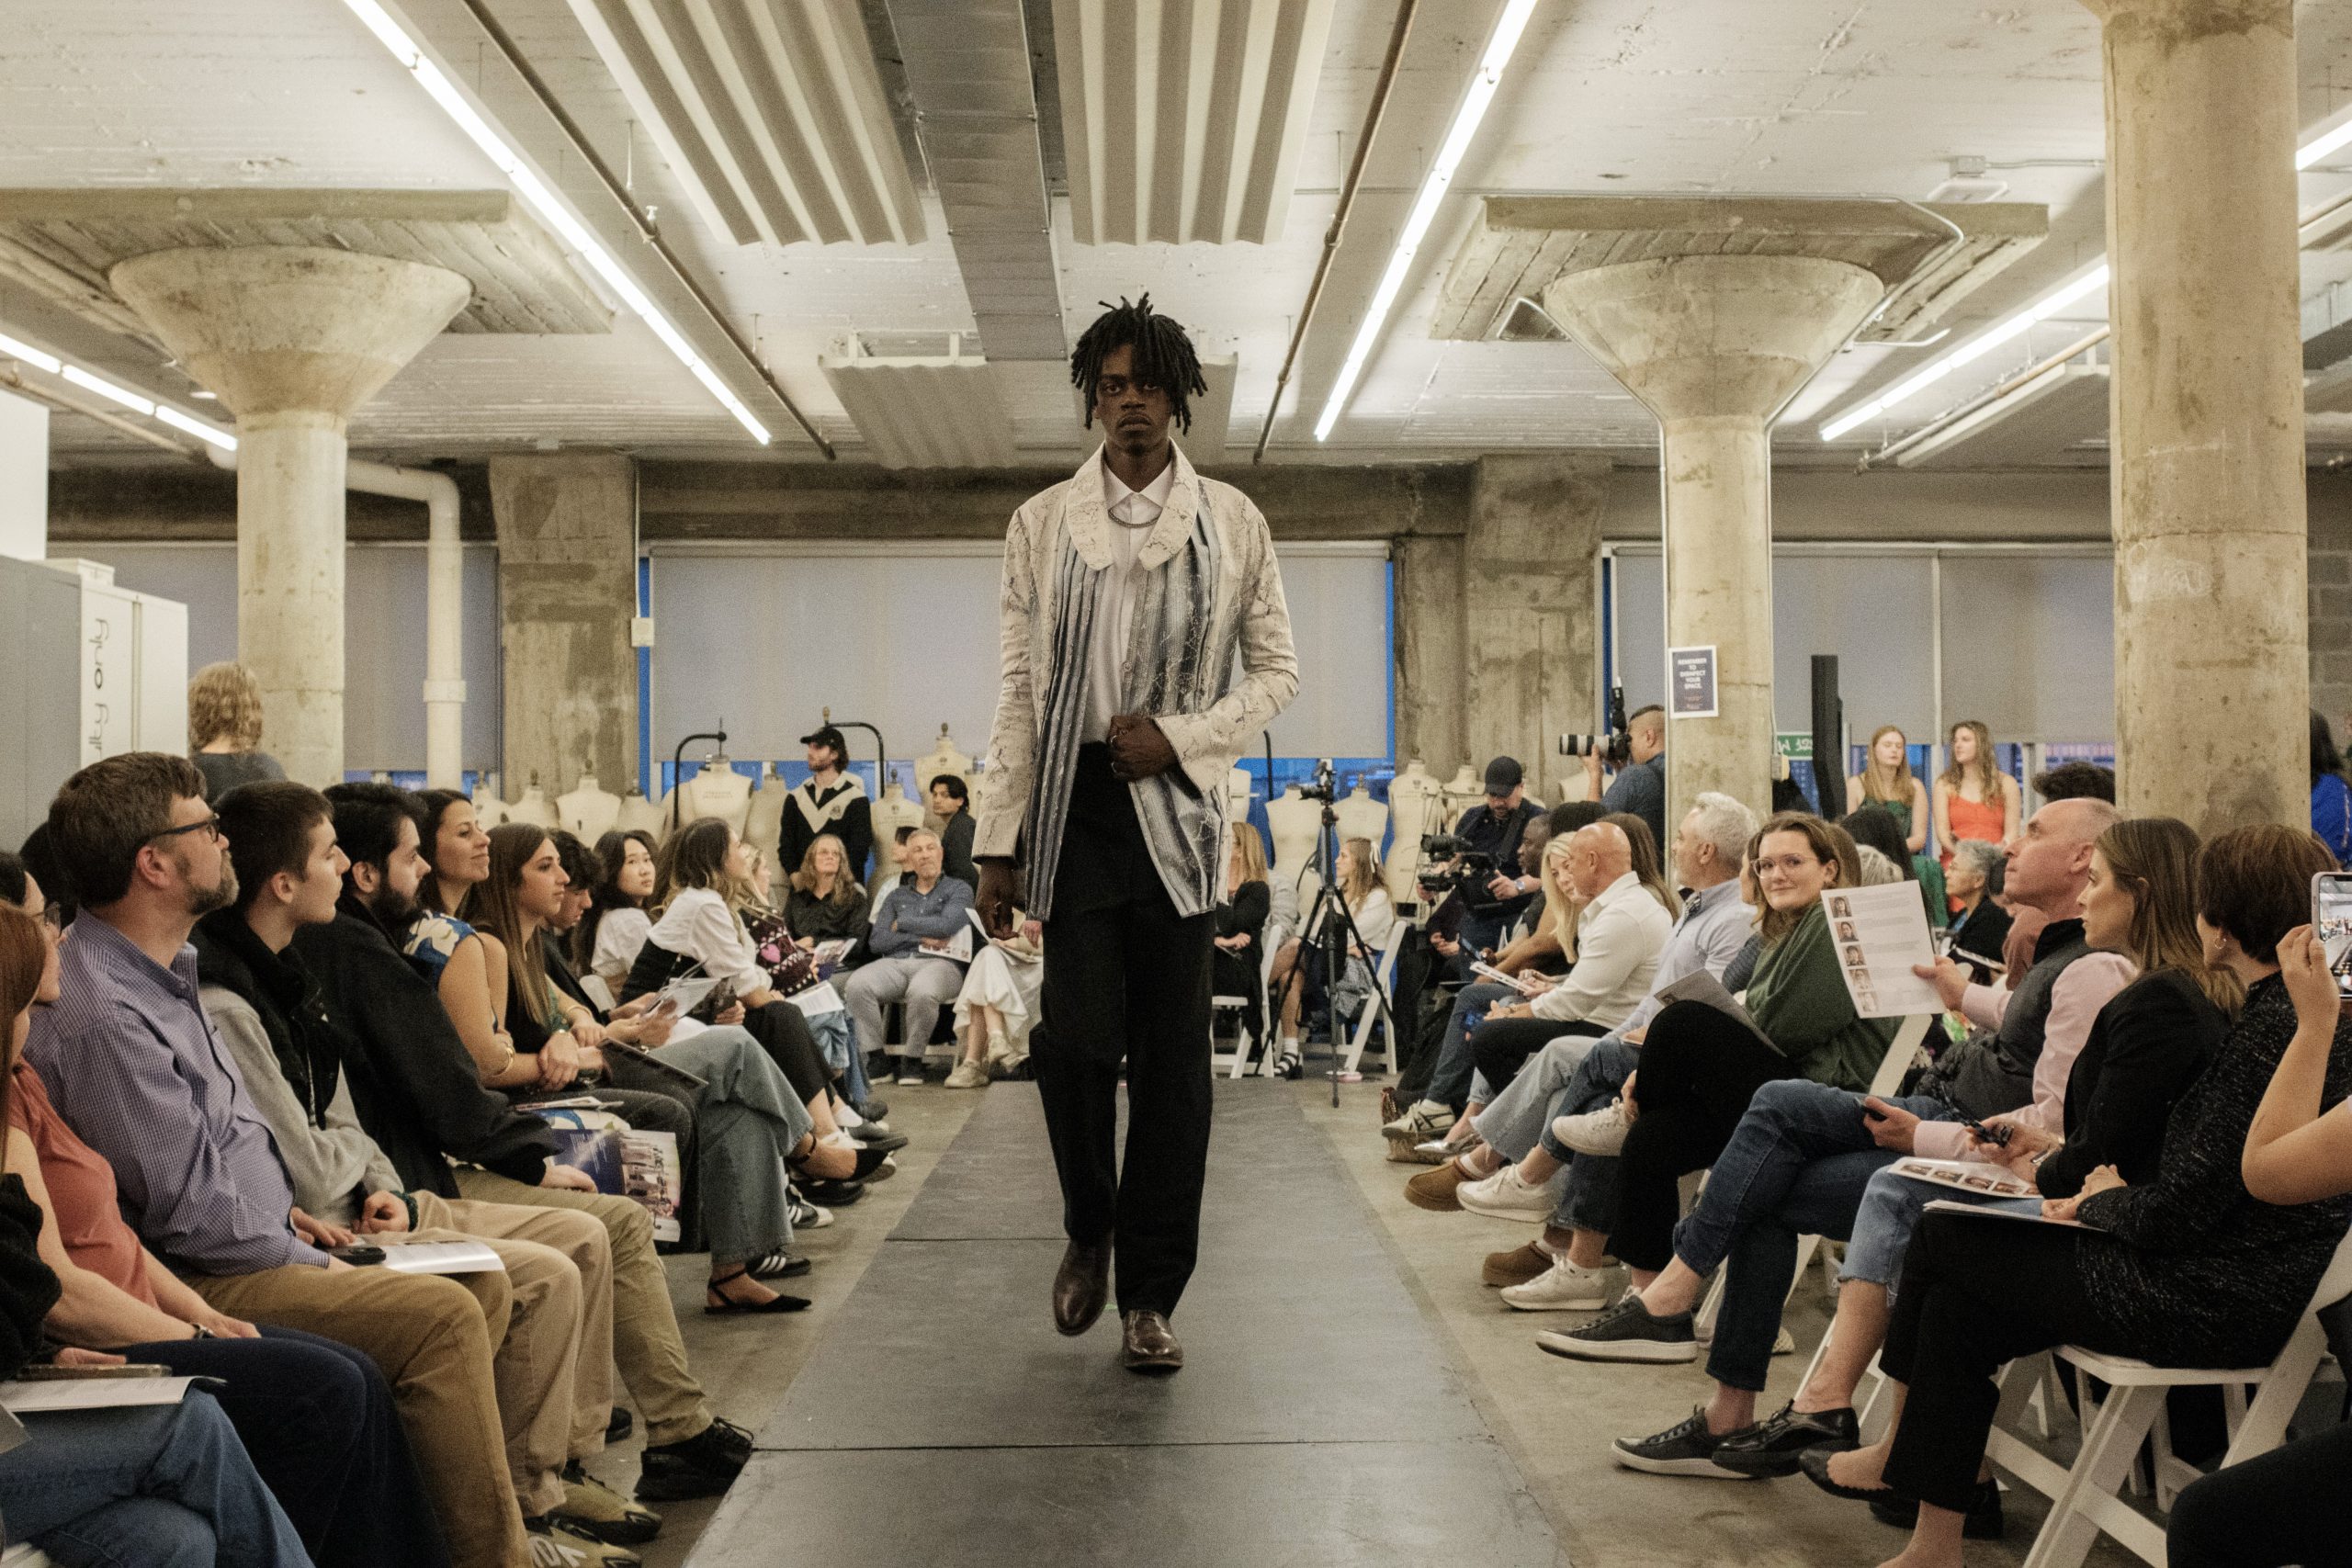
<point x="1973" y="798"/>
<point x="1241" y="918"/>
<point x="1367" y="904"/>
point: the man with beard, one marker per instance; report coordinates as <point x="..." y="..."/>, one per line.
<point x="1130" y="589"/>
<point x="133" y="1066"/>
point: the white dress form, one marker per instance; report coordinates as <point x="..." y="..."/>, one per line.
<point x="488" y="810"/>
<point x="717" y="791"/>
<point x="638" y="815"/>
<point x="1414" y="799"/>
<point x="1238" y="790"/>
<point x="764" y="827"/>
<point x="944" y="757"/>
<point x="588" y="812"/>
<point x="1361" y="816"/>
<point x="890" y="813"/>
<point x="1461" y="792"/>
<point x="1297" y="823"/>
<point x="533" y="808"/>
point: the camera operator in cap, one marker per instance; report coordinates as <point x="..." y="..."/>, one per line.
<point x="1640" y="785"/>
<point x="1489" y="908"/>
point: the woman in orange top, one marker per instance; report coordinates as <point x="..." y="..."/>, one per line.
<point x="1973" y="798"/>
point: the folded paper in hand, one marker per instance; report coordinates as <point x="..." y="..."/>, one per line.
<point x="1702" y="987"/>
<point x="440" y="1257"/>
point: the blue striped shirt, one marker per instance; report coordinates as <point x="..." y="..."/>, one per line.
<point x="134" y="1067"/>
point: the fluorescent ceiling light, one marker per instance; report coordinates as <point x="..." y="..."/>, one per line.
<point x="195" y="427"/>
<point x="29" y="354"/>
<point x="2009" y="327"/>
<point x="108" y="389"/>
<point x="138" y="402"/>
<point x="543" y="202"/>
<point x="1499" y="45"/>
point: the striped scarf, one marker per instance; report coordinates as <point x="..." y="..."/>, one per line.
<point x="1186" y="656"/>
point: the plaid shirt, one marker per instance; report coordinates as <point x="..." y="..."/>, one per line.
<point x="134" y="1067"/>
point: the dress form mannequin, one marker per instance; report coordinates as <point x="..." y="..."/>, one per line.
<point x="764" y="829"/>
<point x="717" y="791"/>
<point x="944" y="757"/>
<point x="1413" y="796"/>
<point x="533" y="808"/>
<point x="1463" y="790"/>
<point x="1361" y="816"/>
<point x="638" y="815"/>
<point x="1238" y="789"/>
<point x="588" y="812"/>
<point x="1297" y="823"/>
<point x="892" y="812"/>
<point x="488" y="809"/>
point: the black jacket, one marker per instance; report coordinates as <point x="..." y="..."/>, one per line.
<point x="413" y="1084"/>
<point x="854" y="828"/>
<point x="805" y="915"/>
<point x="282" y="994"/>
<point x="956" y="849"/>
<point x="2152" y="1040"/>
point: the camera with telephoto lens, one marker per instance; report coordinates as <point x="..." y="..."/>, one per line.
<point x="1460" y="867"/>
<point x="1325" y="785"/>
<point x="1614" y="748"/>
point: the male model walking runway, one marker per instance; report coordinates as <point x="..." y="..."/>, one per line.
<point x="1129" y="589"/>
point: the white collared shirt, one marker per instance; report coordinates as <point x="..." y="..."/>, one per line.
<point x="1131" y="513"/>
<point x="1619" y="938"/>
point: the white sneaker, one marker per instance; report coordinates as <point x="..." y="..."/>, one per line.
<point x="1504" y="1196"/>
<point x="1422" y="1120"/>
<point x="1564" y="1287"/>
<point x="968" y="1074"/>
<point x="1599" y="1132"/>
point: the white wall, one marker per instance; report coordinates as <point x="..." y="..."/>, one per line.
<point x="24" y="478"/>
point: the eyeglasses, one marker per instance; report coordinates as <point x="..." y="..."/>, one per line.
<point x="209" y="827"/>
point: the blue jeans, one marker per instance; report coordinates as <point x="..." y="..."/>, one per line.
<point x="157" y="1486"/>
<point x="748" y="1121"/>
<point x="1798" y="1164"/>
<point x="1588" y="1197"/>
<point x="1450" y="1080"/>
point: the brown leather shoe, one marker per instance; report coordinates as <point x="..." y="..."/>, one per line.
<point x="1516" y="1267"/>
<point x="1148" y="1345"/>
<point x="1082" y="1286"/>
<point x="1434" y="1189"/>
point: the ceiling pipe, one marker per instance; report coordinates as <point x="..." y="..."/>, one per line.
<point x="1372" y="117"/>
<point x="619" y="190"/>
<point x="445" y="590"/>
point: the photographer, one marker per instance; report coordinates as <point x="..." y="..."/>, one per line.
<point x="1640" y="785"/>
<point x="1487" y="842"/>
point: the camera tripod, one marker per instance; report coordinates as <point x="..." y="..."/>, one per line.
<point x="1332" y="928"/>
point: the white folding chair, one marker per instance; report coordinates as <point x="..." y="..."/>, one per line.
<point x="2084" y="1498"/>
<point x="1384" y="970"/>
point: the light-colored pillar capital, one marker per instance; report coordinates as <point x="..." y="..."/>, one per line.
<point x="274" y="328"/>
<point x="2193" y="19"/>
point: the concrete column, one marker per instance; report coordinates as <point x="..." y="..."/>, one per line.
<point x="1430" y="692"/>
<point x="1714" y="345"/>
<point x="566" y="589"/>
<point x="291" y="340"/>
<point x="1530" y="565"/>
<point x="2206" y="454"/>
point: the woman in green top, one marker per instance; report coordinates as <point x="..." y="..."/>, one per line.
<point x="1887" y="782"/>
<point x="1701" y="1065"/>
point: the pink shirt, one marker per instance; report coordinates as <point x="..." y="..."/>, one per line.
<point x="2075" y="1001"/>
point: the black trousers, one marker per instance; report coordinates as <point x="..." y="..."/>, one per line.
<point x="1976" y="1294"/>
<point x="319" y="1421"/>
<point x="2285" y="1506"/>
<point x="1501" y="1045"/>
<point x="1126" y="980"/>
<point x="1699" y="1069"/>
<point x="782" y="1031"/>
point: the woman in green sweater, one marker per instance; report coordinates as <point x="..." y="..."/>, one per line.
<point x="1699" y="1066"/>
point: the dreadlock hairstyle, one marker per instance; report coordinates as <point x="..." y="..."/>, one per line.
<point x="1164" y="354"/>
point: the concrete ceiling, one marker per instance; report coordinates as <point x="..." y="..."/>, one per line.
<point x="1821" y="97"/>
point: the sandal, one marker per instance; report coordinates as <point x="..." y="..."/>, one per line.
<point x="718" y="1302"/>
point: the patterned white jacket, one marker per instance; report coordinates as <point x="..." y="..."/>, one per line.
<point x="1212" y="590"/>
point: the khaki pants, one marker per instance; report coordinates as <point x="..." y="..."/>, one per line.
<point x="645" y="1330"/>
<point x="431" y="1337"/>
<point x="557" y="1263"/>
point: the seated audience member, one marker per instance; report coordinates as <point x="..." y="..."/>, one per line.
<point x="831" y="800"/>
<point x="1979" y="924"/>
<point x="1241" y="915"/>
<point x="1880" y="844"/>
<point x="915" y="924"/>
<point x="1614" y="936"/>
<point x="315" y="1416"/>
<point x="2331" y="796"/>
<point x="420" y="1098"/>
<point x="135" y="1069"/>
<point x="1710" y="844"/>
<point x="748" y="1123"/>
<point x="887" y="880"/>
<point x="792" y="967"/>
<point x="2184" y="1269"/>
<point x="224" y="729"/>
<point x="555" y="1364"/>
<point x="998" y="1005"/>
<point x="2100" y="1098"/>
<point x="614" y="926"/>
<point x="951" y="802"/>
<point x="1639" y="787"/>
<point x="2284" y="1506"/>
<point x="826" y="902"/>
<point x="1306" y="981"/>
<point x="701" y="882"/>
<point x="2067" y="781"/>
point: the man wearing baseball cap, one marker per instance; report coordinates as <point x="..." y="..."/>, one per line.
<point x="1494" y="830"/>
<point x="832" y="801"/>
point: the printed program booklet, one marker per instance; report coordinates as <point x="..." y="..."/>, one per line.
<point x="1878" y="934"/>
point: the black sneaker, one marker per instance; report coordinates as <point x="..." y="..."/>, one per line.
<point x="705" y="1465"/>
<point x="1684" y="1448"/>
<point x="872" y="1110"/>
<point x="909" y="1071"/>
<point x="1770" y="1446"/>
<point x="1626" y="1332"/>
<point x="617" y="1429"/>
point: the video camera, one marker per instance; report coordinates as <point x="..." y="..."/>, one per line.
<point x="1614" y="748"/>
<point x="1325" y="786"/>
<point x="1467" y="867"/>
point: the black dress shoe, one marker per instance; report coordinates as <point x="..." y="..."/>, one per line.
<point x="827" y="1193"/>
<point x="1814" y="1463"/>
<point x="616" y="1430"/>
<point x="1983" y="1520"/>
<point x="872" y="1110"/>
<point x="1147" y="1345"/>
<point x="1082" y="1286"/>
<point x="886" y="1143"/>
<point x="1770" y="1446"/>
